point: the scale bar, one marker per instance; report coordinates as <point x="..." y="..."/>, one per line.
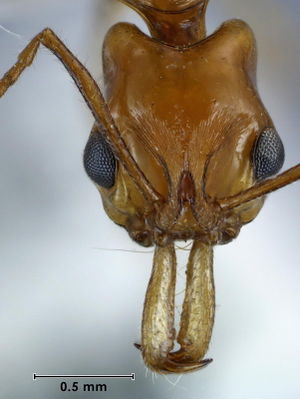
<point x="131" y="376"/>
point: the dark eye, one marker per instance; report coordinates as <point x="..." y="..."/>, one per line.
<point x="268" y="155"/>
<point x="99" y="161"/>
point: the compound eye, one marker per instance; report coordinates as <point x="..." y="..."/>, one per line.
<point x="99" y="160"/>
<point x="268" y="155"/>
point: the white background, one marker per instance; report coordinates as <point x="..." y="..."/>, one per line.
<point x="68" y="307"/>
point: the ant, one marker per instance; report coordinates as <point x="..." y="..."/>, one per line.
<point x="182" y="149"/>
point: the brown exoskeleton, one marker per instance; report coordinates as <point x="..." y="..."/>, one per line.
<point x="181" y="149"/>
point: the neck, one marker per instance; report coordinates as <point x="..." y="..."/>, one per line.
<point x="177" y="26"/>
